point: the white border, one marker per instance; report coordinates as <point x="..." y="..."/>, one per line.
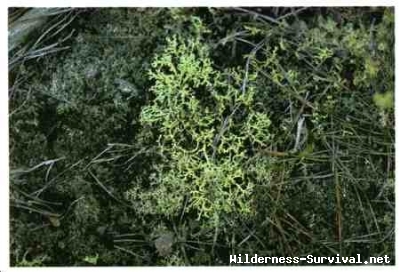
<point x="180" y="3"/>
<point x="4" y="171"/>
<point x="4" y="196"/>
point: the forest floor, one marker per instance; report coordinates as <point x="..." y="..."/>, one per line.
<point x="182" y="136"/>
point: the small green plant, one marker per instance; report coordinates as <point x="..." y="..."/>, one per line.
<point x="384" y="101"/>
<point x="91" y="259"/>
<point x="34" y="262"/>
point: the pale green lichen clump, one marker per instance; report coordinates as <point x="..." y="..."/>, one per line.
<point x="204" y="139"/>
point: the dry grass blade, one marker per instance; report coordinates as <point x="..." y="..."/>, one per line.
<point x="50" y="21"/>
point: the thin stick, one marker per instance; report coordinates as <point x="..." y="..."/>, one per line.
<point x="292" y="13"/>
<point x="105" y="189"/>
<point x="130" y="252"/>
<point x="269" y="19"/>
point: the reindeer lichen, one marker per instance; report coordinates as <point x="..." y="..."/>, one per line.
<point x="206" y="121"/>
